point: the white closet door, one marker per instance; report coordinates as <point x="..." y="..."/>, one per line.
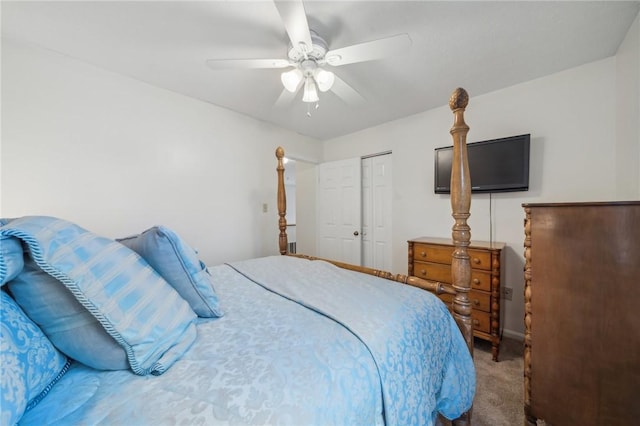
<point x="376" y="211"/>
<point x="339" y="211"/>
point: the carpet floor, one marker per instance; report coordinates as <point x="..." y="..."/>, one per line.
<point x="499" y="399"/>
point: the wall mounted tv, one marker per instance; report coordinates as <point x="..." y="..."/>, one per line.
<point x="497" y="165"/>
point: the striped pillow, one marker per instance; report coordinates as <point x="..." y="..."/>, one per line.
<point x="11" y="258"/>
<point x="179" y="265"/>
<point x="69" y="326"/>
<point x="135" y="306"/>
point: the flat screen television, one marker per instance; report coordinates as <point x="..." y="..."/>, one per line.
<point x="497" y="165"/>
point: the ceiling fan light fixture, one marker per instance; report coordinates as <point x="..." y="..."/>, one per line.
<point x="310" y="92"/>
<point x="324" y="79"/>
<point x="291" y="79"/>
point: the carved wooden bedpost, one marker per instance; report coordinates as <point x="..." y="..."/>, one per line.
<point x="460" y="204"/>
<point x="282" y="202"/>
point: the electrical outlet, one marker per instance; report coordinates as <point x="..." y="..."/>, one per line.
<point x="265" y="208"/>
<point x="508" y="293"/>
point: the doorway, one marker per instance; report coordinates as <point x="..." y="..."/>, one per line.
<point x="354" y="211"/>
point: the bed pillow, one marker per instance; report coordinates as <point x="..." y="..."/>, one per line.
<point x="69" y="326"/>
<point x="179" y="265"/>
<point x="135" y="306"/>
<point x="11" y="258"/>
<point x="30" y="364"/>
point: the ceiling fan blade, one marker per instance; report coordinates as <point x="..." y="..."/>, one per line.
<point x="286" y="98"/>
<point x="368" y="51"/>
<point x="295" y="22"/>
<point x="225" y="64"/>
<point x="347" y="93"/>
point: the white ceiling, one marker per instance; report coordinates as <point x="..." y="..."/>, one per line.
<point x="479" y="45"/>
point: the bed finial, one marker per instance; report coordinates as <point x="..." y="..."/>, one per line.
<point x="282" y="202"/>
<point x="459" y="99"/>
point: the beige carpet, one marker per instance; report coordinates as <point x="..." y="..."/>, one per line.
<point x="499" y="388"/>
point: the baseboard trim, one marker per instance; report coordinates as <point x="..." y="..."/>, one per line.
<point x="513" y="334"/>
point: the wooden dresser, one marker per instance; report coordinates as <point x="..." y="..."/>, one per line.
<point x="582" y="313"/>
<point x="430" y="258"/>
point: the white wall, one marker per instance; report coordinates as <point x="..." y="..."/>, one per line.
<point x="572" y="121"/>
<point x="116" y="156"/>
<point x="628" y="114"/>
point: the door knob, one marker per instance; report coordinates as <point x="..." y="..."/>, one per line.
<point x="356" y="233"/>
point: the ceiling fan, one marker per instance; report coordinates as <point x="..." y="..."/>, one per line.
<point x="309" y="54"/>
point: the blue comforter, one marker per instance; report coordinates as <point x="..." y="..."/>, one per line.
<point x="301" y="343"/>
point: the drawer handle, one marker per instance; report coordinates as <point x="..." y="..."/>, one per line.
<point x="476" y="322"/>
<point x="476" y="281"/>
<point x="476" y="260"/>
<point x="476" y="302"/>
<point x="423" y="254"/>
<point x="423" y="272"/>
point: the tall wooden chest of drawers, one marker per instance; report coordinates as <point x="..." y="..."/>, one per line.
<point x="430" y="258"/>
<point x="582" y="320"/>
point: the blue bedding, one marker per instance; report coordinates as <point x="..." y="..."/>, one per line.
<point x="302" y="342"/>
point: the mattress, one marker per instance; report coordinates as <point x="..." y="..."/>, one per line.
<point x="300" y="343"/>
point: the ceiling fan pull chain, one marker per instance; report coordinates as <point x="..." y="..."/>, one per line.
<point x="315" y="106"/>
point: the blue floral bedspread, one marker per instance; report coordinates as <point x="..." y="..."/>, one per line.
<point x="421" y="357"/>
<point x="370" y="353"/>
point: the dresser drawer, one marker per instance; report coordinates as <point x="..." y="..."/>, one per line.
<point x="433" y="271"/>
<point x="442" y="254"/>
<point x="480" y="259"/>
<point x="479" y="300"/>
<point x="480" y="280"/>
<point x="481" y="321"/>
<point x="432" y="253"/>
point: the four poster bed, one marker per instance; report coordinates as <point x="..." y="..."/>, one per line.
<point x="139" y="331"/>
<point x="460" y="205"/>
